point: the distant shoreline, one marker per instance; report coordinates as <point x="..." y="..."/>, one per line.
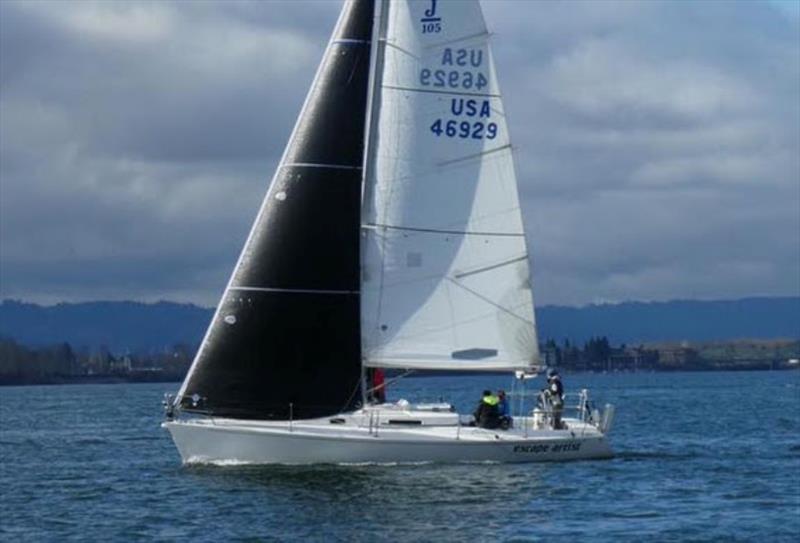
<point x="89" y="380"/>
<point x="118" y="379"/>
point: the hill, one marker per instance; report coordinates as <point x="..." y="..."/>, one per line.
<point x="119" y="326"/>
<point x="681" y="320"/>
<point x="133" y="326"/>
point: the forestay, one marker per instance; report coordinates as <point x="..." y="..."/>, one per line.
<point x="445" y="276"/>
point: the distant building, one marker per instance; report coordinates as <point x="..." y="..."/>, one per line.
<point x="676" y="356"/>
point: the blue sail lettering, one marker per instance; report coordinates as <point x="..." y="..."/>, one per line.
<point x="431" y="11"/>
<point x="431" y="24"/>
<point x="470" y="108"/>
<point x="447" y="57"/>
<point x="475" y="57"/>
<point x="462" y="57"/>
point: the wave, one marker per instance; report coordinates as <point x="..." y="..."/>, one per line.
<point x="91" y="441"/>
<point x="634" y="515"/>
<point x="197" y="461"/>
<point x="28" y="441"/>
<point x="655" y="455"/>
<point x="382" y="464"/>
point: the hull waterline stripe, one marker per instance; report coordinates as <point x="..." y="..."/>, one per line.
<point x="294" y="290"/>
<point x="432" y="91"/>
<point x="372" y="226"/>
<point x="312" y="165"/>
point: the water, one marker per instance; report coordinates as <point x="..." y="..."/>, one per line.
<point x="700" y="457"/>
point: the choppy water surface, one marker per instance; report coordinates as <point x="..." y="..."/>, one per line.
<point x="700" y="457"/>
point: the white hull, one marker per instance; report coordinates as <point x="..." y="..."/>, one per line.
<point x="358" y="440"/>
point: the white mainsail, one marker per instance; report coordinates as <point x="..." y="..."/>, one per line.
<point x="445" y="275"/>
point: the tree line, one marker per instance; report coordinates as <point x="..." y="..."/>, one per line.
<point x="62" y="363"/>
<point x="598" y="354"/>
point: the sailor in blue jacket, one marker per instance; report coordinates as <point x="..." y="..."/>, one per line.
<point x="503" y="410"/>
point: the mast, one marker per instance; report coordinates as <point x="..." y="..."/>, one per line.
<point x="285" y="340"/>
<point x="370" y="147"/>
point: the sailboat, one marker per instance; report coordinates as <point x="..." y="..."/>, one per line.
<point x="390" y="239"/>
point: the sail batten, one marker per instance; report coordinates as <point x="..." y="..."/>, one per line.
<point x="434" y="91"/>
<point x="329" y="166"/>
<point x="373" y="226"/>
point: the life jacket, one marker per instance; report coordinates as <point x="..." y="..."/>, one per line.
<point x="487" y="415"/>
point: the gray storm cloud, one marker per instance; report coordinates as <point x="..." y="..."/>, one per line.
<point x="657" y="143"/>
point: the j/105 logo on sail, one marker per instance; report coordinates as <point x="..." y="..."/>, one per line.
<point x="431" y="23"/>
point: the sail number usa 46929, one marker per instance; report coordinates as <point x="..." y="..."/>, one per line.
<point x="461" y="69"/>
<point x="471" y="120"/>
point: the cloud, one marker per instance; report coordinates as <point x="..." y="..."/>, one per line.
<point x="604" y="79"/>
<point x="657" y="143"/>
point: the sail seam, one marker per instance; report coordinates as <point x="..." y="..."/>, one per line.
<point x="432" y="91"/>
<point x="395" y="46"/>
<point x="476" y="155"/>
<point x="491" y="267"/>
<point x="458" y="40"/>
<point x="488" y="301"/>
<point x="294" y="290"/>
<point x="374" y="226"/>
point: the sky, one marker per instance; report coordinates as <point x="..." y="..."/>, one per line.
<point x="657" y="143"/>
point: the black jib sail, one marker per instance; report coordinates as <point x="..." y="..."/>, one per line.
<point x="286" y="339"/>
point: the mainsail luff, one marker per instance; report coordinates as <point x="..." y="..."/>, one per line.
<point x="446" y="283"/>
<point x="285" y="340"/>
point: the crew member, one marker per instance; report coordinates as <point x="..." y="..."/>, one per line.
<point x="487" y="414"/>
<point x="503" y="410"/>
<point x="376" y="389"/>
<point x="378" y="385"/>
<point x="555" y="391"/>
